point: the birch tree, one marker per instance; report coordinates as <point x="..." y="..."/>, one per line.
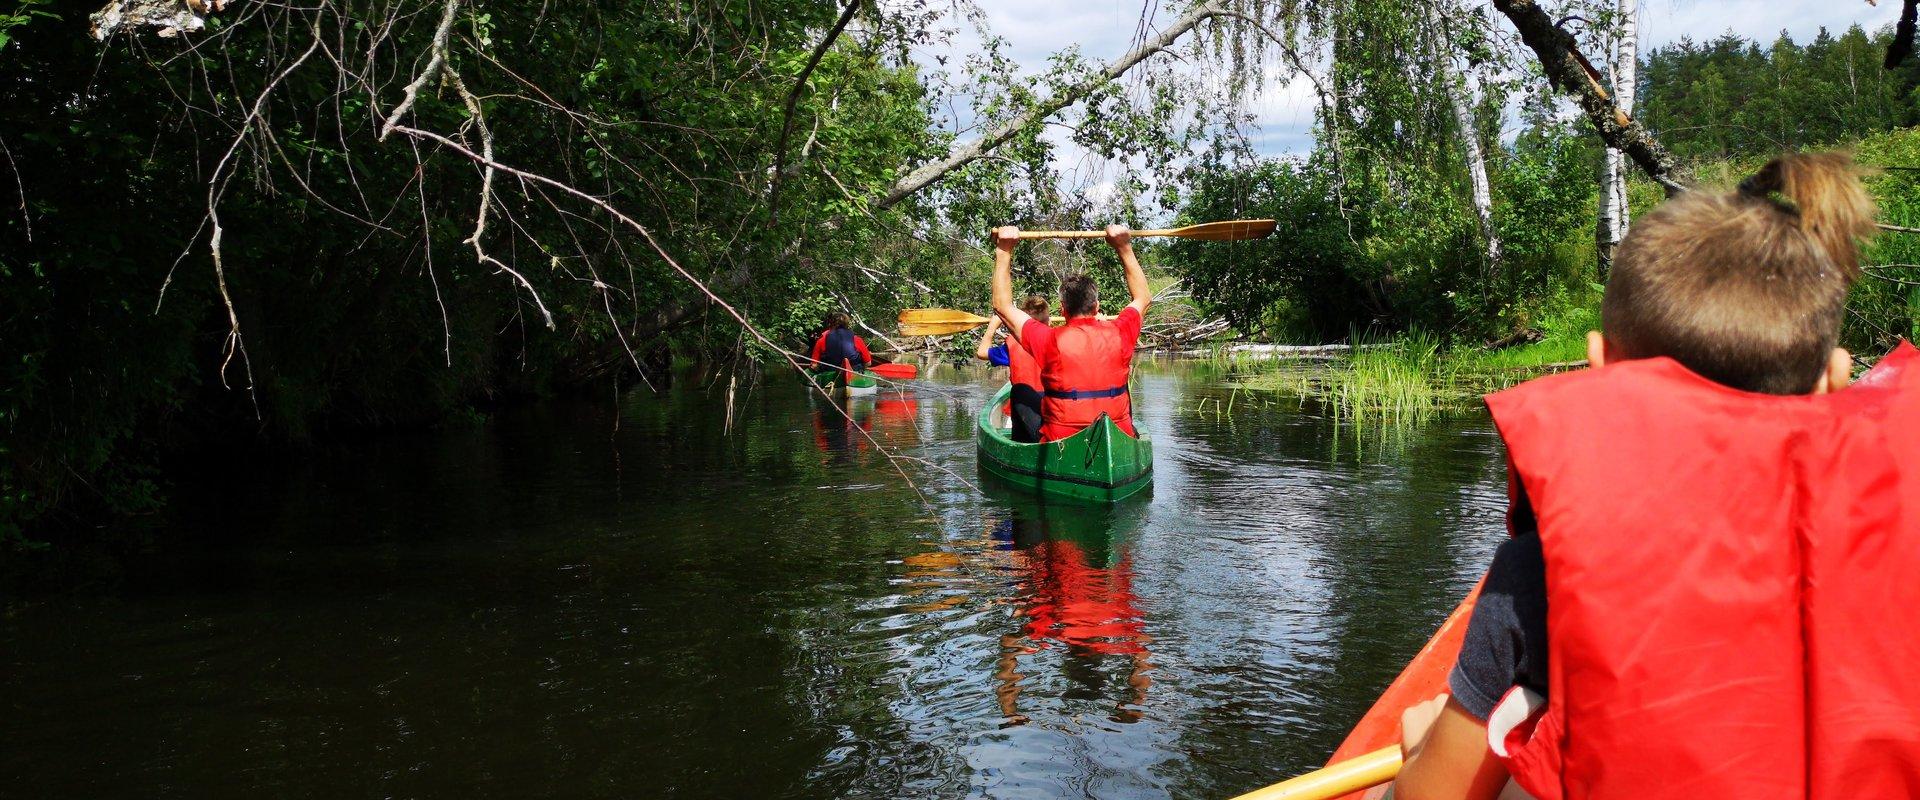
<point x="1459" y="96"/>
<point x="1614" y="213"/>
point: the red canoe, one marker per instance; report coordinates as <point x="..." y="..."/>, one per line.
<point x="896" y="372"/>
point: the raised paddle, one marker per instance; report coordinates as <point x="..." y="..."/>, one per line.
<point x="1232" y="230"/>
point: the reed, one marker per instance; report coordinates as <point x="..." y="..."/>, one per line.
<point x="1408" y="379"/>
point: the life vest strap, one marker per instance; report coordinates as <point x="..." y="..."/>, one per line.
<point x="1086" y="394"/>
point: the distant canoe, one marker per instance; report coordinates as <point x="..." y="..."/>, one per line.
<point x="1100" y="464"/>
<point x="845" y="383"/>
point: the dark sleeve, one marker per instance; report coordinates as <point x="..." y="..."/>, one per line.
<point x="1506" y="641"/>
<point x="997" y="356"/>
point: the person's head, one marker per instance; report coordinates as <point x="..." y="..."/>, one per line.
<point x="1036" y="306"/>
<point x="1079" y="296"/>
<point x="837" y="319"/>
<point x="1748" y="288"/>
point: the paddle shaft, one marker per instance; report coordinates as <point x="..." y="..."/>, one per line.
<point x="1334" y="780"/>
<point x="1094" y="234"/>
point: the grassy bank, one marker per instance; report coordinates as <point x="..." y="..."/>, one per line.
<point x="1410" y="377"/>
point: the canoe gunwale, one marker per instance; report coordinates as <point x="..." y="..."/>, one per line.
<point x="1103" y="443"/>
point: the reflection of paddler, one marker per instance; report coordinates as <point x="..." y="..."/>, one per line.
<point x="1071" y="601"/>
<point x="842" y="428"/>
<point x="1077" y="591"/>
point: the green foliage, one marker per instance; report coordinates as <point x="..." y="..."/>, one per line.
<point x="360" y="301"/>
<point x="24" y="11"/>
<point x="1733" y="98"/>
<point x="1301" y="281"/>
<point x="1885" y="305"/>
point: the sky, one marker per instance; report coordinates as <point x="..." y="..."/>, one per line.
<point x="1104" y="29"/>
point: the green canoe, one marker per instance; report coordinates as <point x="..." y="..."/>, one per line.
<point x="1100" y="464"/>
<point x="837" y="381"/>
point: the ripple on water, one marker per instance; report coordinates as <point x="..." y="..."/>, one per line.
<point x="539" y="609"/>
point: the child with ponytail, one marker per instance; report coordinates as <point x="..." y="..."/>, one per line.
<point x="1714" y="537"/>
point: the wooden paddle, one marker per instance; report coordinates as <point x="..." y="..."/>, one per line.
<point x="939" y="316"/>
<point x="1229" y="231"/>
<point x="1333" y="780"/>
<point x="937" y="328"/>
<point x="947" y="321"/>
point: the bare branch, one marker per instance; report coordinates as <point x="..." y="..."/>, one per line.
<point x="436" y="58"/>
<point x="486" y="197"/>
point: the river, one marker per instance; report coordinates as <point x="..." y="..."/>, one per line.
<point x="685" y="600"/>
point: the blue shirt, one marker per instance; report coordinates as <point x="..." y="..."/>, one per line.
<point x="997" y="355"/>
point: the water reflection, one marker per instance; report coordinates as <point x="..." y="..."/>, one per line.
<point x="1075" y="591"/>
<point x="847" y="426"/>
<point x="757" y="604"/>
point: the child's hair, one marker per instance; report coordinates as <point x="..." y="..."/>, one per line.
<point x="1746" y="289"/>
<point x="1079" y="296"/>
<point x="1036" y="306"/>
<point x="837" y="319"/>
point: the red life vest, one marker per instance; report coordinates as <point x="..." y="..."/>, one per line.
<point x="1086" y="377"/>
<point x="1022" y="369"/>
<point x="1731" y="579"/>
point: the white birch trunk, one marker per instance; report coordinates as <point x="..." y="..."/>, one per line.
<point x="1614" y="213"/>
<point x="1460" y="101"/>
<point x="1477" y="172"/>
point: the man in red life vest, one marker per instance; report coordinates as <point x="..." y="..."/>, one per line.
<point x="837" y="347"/>
<point x="1084" y="364"/>
<point x="1710" y="584"/>
<point x="1023" y="373"/>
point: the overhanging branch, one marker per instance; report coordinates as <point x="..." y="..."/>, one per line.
<point x="966" y="153"/>
<point x="1560" y="56"/>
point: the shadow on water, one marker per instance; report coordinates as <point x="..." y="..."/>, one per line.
<point x="682" y="597"/>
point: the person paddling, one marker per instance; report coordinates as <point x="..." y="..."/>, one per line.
<point x="839" y="348"/>
<point x="1023" y="373"/>
<point x="1084" y="364"/>
<point x="1708" y="587"/>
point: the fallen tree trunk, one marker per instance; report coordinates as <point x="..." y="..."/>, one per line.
<point x="1560" y="57"/>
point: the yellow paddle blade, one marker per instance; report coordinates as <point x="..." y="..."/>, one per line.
<point x="937" y="328"/>
<point x="942" y="316"/>
<point x="1228" y="231"/>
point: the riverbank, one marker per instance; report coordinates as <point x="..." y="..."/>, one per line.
<point x="1411" y="377"/>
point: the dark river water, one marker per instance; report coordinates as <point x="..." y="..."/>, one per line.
<point x="675" y="601"/>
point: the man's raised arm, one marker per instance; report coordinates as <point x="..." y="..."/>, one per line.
<point x="1122" y="240"/>
<point x="1004" y="240"/>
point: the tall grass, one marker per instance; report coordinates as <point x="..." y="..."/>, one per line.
<point x="1398" y="382"/>
<point x="1408" y="379"/>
